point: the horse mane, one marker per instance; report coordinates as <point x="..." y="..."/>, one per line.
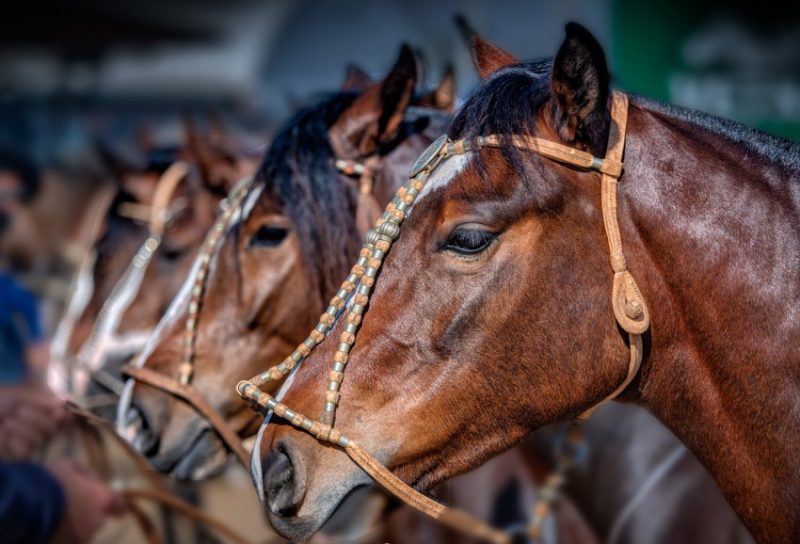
<point x="299" y="170"/>
<point x="508" y="102"/>
<point x="771" y="148"/>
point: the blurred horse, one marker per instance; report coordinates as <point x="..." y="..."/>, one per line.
<point x="131" y="273"/>
<point x="301" y="205"/>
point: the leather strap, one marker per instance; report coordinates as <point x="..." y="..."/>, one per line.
<point x="159" y="211"/>
<point x="450" y="517"/>
<point x="188" y="510"/>
<point x="187" y="394"/>
<point x="160" y="494"/>
<point x="627" y="302"/>
<point x="610" y="165"/>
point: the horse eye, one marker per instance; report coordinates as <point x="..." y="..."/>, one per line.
<point x="469" y="241"/>
<point x="268" y="236"/>
<point x="173" y="254"/>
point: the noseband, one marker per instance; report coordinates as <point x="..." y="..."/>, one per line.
<point x="628" y="304"/>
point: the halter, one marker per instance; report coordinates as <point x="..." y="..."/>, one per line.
<point x="103" y="333"/>
<point x="628" y="304"/>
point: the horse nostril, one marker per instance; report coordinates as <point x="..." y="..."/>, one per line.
<point x="280" y="484"/>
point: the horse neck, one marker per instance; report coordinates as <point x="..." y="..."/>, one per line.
<point x="710" y="226"/>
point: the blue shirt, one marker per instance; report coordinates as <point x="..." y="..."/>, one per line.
<point x="19" y="327"/>
<point x="31" y="504"/>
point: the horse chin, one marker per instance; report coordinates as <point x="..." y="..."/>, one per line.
<point x="350" y="515"/>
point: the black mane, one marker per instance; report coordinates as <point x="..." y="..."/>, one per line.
<point x="508" y="101"/>
<point x="299" y="170"/>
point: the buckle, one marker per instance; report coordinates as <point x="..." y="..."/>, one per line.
<point x="428" y="155"/>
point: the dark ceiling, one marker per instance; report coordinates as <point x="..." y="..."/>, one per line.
<point x="85" y="29"/>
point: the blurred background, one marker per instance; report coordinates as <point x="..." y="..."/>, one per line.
<point x="80" y="76"/>
<point x="74" y="71"/>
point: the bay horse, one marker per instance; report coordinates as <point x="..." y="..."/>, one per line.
<point x="109" y="271"/>
<point x="629" y="462"/>
<point x="493" y="315"/>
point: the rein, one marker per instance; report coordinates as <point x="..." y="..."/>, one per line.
<point x="628" y="305"/>
<point x="91" y="428"/>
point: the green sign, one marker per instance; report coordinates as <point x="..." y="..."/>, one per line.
<point x="736" y="60"/>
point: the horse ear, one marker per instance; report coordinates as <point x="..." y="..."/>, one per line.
<point x="445" y="94"/>
<point x="375" y="117"/>
<point x="196" y="145"/>
<point x="443" y="97"/>
<point x="218" y="132"/>
<point x="580" y="86"/>
<point x="487" y="57"/>
<point x="218" y="169"/>
<point x="355" y="79"/>
<point x="108" y="159"/>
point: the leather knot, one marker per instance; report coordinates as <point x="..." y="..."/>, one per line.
<point x="628" y="304"/>
<point x="618" y="262"/>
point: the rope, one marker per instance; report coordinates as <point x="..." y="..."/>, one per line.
<point x="91" y="426"/>
<point x="194" y="399"/>
<point x="641" y="494"/>
<point x="183" y="507"/>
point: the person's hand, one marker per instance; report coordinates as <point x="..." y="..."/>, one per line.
<point x="29" y="417"/>
<point x="88" y="501"/>
<point x="37" y="357"/>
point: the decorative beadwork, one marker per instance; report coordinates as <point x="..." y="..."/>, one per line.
<point x="360" y="281"/>
<point x="210" y="246"/>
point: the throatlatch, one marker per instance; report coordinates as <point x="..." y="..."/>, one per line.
<point x="629" y="307"/>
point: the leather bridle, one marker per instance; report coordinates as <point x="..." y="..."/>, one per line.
<point x="180" y="387"/>
<point x="629" y="307"/>
<point x="104" y="331"/>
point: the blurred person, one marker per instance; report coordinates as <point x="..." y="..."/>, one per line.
<point x="61" y="502"/>
<point x="23" y="350"/>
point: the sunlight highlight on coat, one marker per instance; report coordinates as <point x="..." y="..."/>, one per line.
<point x="442" y="177"/>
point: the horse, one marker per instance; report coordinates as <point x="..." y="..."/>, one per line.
<point x="630" y="466"/>
<point x="122" y="259"/>
<point x="493" y="317"/>
<point x="304" y="207"/>
<point x="628" y="460"/>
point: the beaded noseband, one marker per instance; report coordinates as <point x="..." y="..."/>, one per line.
<point x="628" y="304"/>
